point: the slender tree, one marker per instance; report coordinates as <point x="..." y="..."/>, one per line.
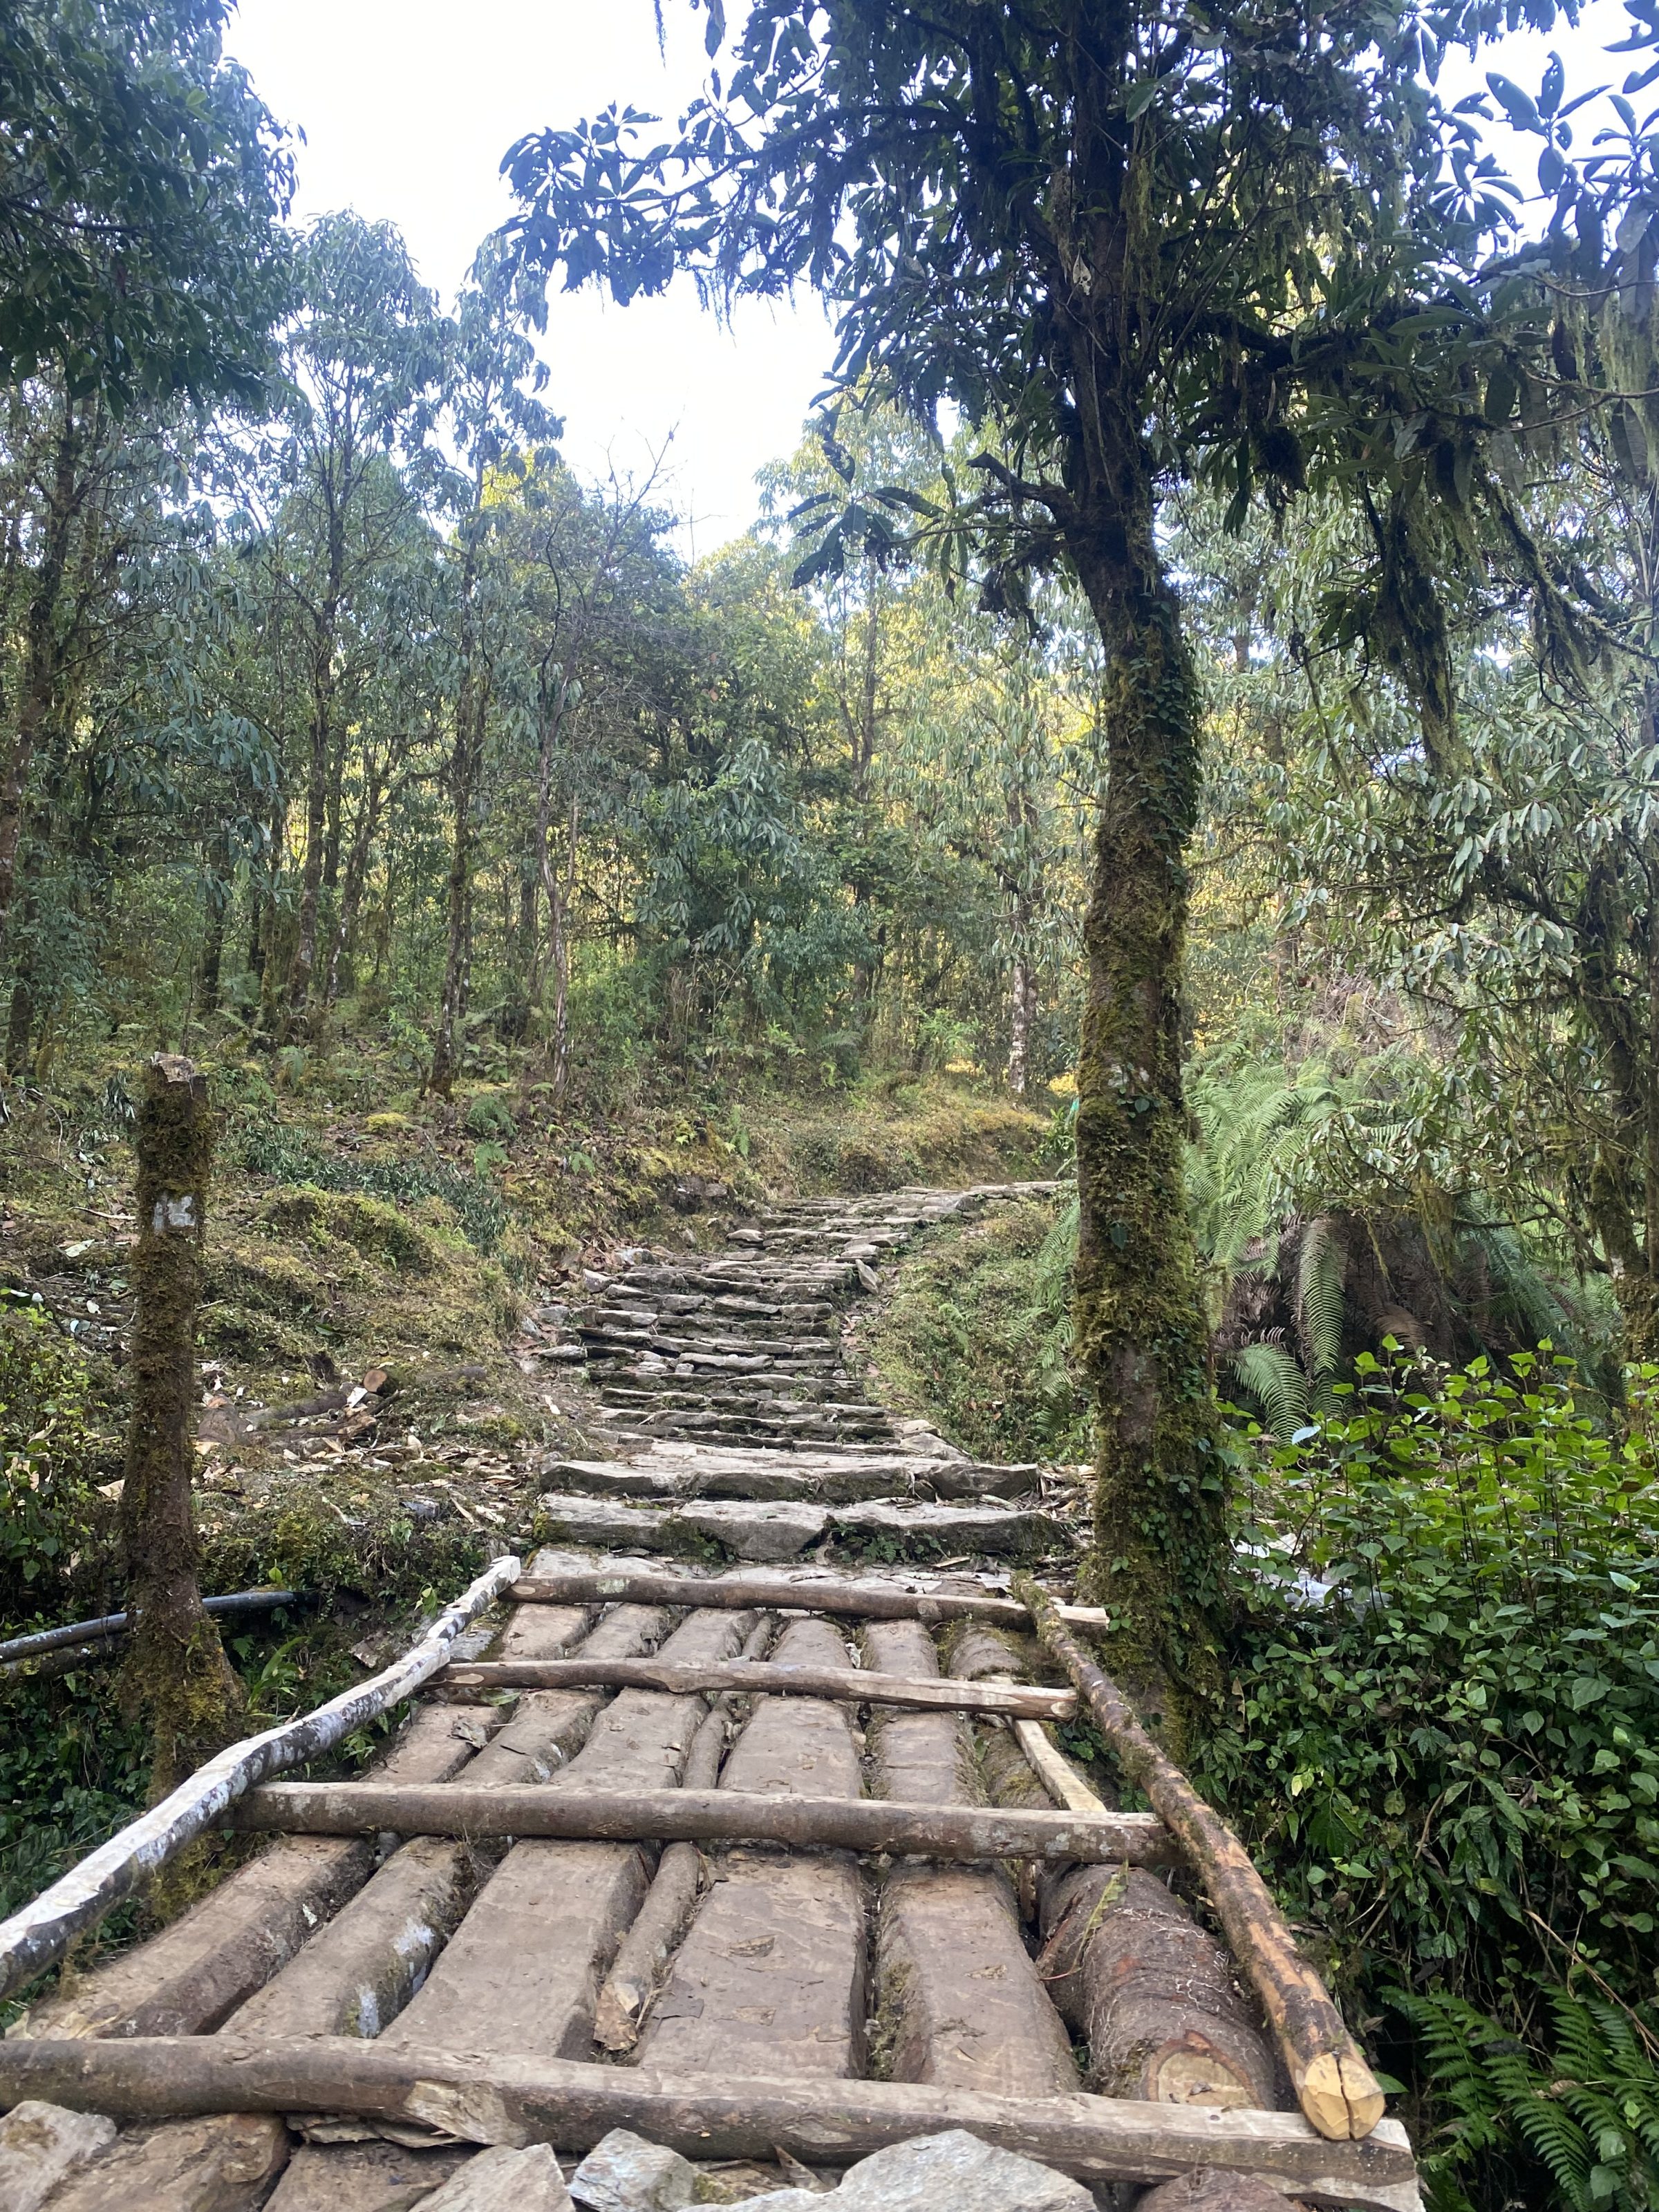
<point x="1138" y="240"/>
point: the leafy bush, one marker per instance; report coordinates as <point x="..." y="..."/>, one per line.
<point x="50" y="1453"/>
<point x="1450" y="1766"/>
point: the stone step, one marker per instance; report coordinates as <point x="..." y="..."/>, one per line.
<point x="768" y="1530"/>
<point x="853" y="1483"/>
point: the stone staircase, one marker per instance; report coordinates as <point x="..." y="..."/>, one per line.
<point x="741" y="1433"/>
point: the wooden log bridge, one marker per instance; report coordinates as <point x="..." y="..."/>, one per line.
<point x="739" y="1825"/>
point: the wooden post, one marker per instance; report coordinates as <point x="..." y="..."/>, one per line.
<point x="1333" y="2085"/>
<point x="176" y="1673"/>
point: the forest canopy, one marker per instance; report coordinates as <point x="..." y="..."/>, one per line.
<point x="1186" y="716"/>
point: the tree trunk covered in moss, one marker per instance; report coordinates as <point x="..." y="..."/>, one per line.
<point x="1159" y="1559"/>
<point x="176" y="1673"/>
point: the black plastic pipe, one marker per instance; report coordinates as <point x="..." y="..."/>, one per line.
<point x="112" y="1624"/>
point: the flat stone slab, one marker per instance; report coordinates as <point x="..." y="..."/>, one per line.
<point x="368" y="2177"/>
<point x="764" y="1530"/>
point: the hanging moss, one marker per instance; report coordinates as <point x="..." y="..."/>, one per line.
<point x="176" y="1674"/>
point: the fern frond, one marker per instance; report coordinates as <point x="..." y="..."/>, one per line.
<point x="1272" y="1377"/>
<point x="1320" y="1272"/>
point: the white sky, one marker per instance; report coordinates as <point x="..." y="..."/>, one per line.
<point x="408" y="106"/>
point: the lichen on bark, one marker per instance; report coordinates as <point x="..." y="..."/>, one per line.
<point x="176" y="1673"/>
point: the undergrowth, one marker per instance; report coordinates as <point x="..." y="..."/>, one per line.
<point x="978" y="1333"/>
<point x="1449" y="1766"/>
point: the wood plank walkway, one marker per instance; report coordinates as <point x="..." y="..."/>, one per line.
<point x="353" y="2016"/>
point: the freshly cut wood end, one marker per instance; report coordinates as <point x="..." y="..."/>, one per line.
<point x="1340" y="2094"/>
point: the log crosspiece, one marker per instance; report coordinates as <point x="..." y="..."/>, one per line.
<point x="1333" y="2085"/>
<point x="731" y="1816"/>
<point x="844" y="1685"/>
<point x="806" y="1594"/>
<point x="483" y="2097"/>
<point x="39" y="1932"/>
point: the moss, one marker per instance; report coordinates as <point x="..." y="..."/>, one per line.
<point x="387" y="1125"/>
<point x="1160" y="1555"/>
<point x="368" y="1225"/>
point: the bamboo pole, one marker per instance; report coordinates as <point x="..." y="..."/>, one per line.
<point x="1333" y="2085"/>
<point x="846" y="1685"/>
<point x="732" y="1816"/>
<point x="483" y="2097"/>
<point x="868" y="1601"/>
<point x="40" y="1931"/>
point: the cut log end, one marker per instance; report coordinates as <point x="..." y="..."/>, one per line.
<point x="1340" y="2094"/>
<point x="1190" y="2069"/>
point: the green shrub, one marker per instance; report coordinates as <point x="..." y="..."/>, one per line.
<point x="1451" y="1768"/>
<point x="50" y="1451"/>
<point x="979" y="1331"/>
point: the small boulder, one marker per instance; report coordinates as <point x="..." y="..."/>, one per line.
<point x="951" y="2172"/>
<point x="625" y="2174"/>
<point x="40" y="2144"/>
<point x="503" y="2180"/>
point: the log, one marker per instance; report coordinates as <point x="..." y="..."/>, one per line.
<point x="846" y="1685"/>
<point x="1053" y="1769"/>
<point x="643" y="1954"/>
<point x="731" y="1816"/>
<point x="484" y="2098"/>
<point x="1333" y="2085"/>
<point x="866" y="1600"/>
<point x="1153" y="1995"/>
<point x="39" y="1933"/>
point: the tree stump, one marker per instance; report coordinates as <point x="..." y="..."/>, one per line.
<point x="176" y="1673"/>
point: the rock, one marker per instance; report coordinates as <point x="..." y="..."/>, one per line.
<point x="40" y="2144"/>
<point x="222" y="2162"/>
<point x="368" y="2177"/>
<point x="625" y="2174"/>
<point x="503" y="2180"/>
<point x="950" y="2172"/>
<point x="755" y="1530"/>
<point x="1209" y="2190"/>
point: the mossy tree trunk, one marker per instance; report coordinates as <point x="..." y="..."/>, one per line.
<point x="1160" y="1553"/>
<point x="176" y="1673"/>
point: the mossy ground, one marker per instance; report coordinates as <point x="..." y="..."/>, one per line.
<point x="975" y="1335"/>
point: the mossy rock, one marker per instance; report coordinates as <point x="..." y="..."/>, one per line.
<point x="387" y="1125"/>
<point x="263" y="1279"/>
<point x="369" y="1225"/>
<point x="235" y="1332"/>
